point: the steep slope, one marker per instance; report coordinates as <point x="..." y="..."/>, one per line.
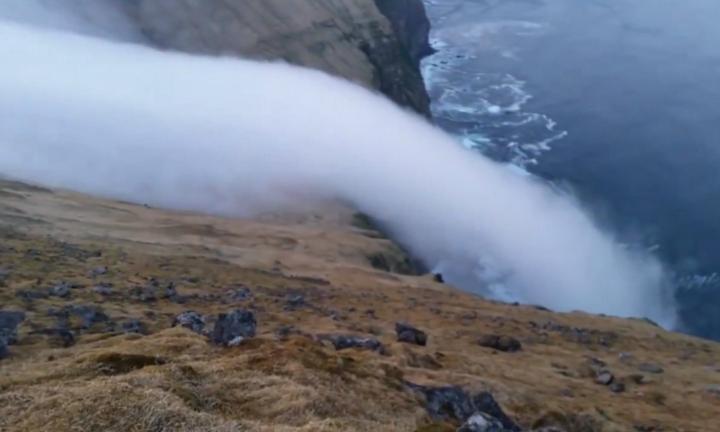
<point x="347" y="38"/>
<point x="100" y="283"/>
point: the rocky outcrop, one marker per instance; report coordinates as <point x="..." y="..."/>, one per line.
<point x="347" y="38"/>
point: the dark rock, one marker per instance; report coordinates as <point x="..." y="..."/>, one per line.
<point x="104" y="289"/>
<point x="236" y="324"/>
<point x="89" y="315"/>
<point x="409" y="334"/>
<point x="651" y="368"/>
<point x="9" y="322"/>
<point x="411" y="25"/>
<point x="133" y="326"/>
<point x="579" y="335"/>
<point x="239" y="294"/>
<point x="617" y="387"/>
<point x="294" y="302"/>
<point x="98" y="271"/>
<point x="145" y="293"/>
<point x="482" y="422"/>
<point x="341" y="342"/>
<point x="29" y="295"/>
<point x="438" y="277"/>
<point x="454" y="403"/>
<point x="4" y="275"/>
<point x="170" y="291"/>
<point x="61" y="290"/>
<point x="604" y="377"/>
<point x="284" y="331"/>
<point x="190" y="320"/>
<point x="66" y="337"/>
<point x="500" y="343"/>
<point x="485" y="402"/>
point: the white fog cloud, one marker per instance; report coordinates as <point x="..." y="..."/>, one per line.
<point x="236" y="137"/>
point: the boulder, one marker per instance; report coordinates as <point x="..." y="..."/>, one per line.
<point x="604" y="377"/>
<point x="481" y="422"/>
<point x="61" y="290"/>
<point x="651" y="368"/>
<point x="98" y="271"/>
<point x="453" y="403"/>
<point x="500" y="343"/>
<point x="294" y="302"/>
<point x="133" y="326"/>
<point x="341" y="342"/>
<point x="190" y="320"/>
<point x="9" y="322"/>
<point x="103" y="289"/>
<point x="232" y="325"/>
<point x="409" y="334"/>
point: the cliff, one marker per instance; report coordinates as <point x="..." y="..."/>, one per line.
<point x="352" y="39"/>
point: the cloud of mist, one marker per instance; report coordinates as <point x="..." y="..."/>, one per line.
<point x="236" y="137"/>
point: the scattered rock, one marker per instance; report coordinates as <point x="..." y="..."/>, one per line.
<point x="190" y="320"/>
<point x="230" y="326"/>
<point x="9" y="322"/>
<point x="604" y="377"/>
<point x="284" y="331"/>
<point x="294" y="302"/>
<point x="104" y="289"/>
<point x="4" y="275"/>
<point x="500" y="343"/>
<point x="239" y="294"/>
<point x="651" y="368"/>
<point x="98" y="271"/>
<point x="89" y="315"/>
<point x="170" y="291"/>
<point x="579" y="335"/>
<point x="236" y="341"/>
<point x="454" y="403"/>
<point x="144" y="294"/>
<point x="133" y="326"/>
<point x="29" y="295"/>
<point x="409" y="334"/>
<point x="617" y="387"/>
<point x="625" y="357"/>
<point x="61" y="290"/>
<point x="341" y="342"/>
<point x="481" y="422"/>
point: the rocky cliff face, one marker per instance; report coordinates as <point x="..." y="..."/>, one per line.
<point x="352" y="39"/>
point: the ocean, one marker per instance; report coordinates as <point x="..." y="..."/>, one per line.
<point x="617" y="101"/>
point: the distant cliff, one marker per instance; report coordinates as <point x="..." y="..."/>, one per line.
<point x="377" y="43"/>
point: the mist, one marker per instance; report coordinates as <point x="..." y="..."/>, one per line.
<point x="235" y="137"/>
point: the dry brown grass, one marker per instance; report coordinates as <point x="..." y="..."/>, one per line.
<point x="174" y="380"/>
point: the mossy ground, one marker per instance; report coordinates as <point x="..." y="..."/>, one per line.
<point x="172" y="379"/>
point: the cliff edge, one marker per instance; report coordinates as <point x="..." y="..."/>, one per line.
<point x="377" y="44"/>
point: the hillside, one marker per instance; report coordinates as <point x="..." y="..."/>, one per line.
<point x="100" y="283"/>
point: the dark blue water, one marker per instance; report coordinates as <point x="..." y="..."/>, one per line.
<point x="617" y="99"/>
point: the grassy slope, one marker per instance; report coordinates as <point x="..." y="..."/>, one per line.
<point x="172" y="379"/>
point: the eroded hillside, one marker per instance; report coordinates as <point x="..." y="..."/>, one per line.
<point x="100" y="292"/>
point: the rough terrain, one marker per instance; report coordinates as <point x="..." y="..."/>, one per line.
<point x="101" y="283"/>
